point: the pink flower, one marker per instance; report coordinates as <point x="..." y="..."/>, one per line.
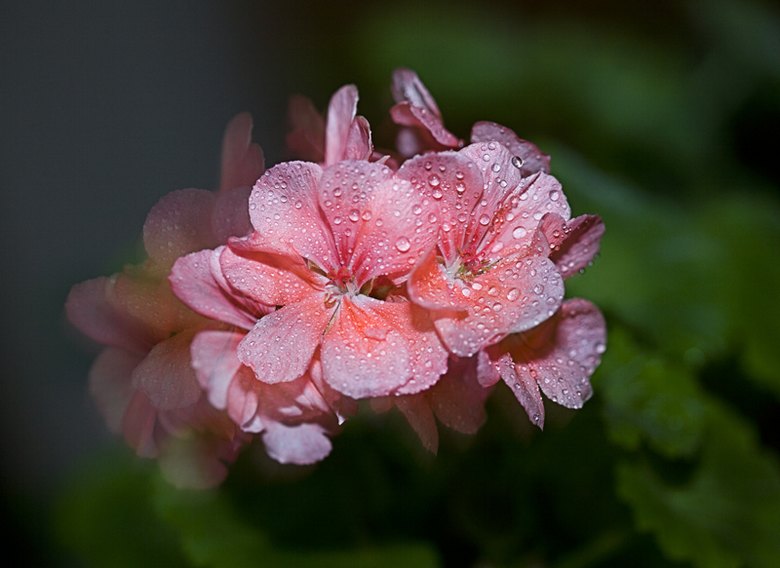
<point x="490" y="276"/>
<point x="330" y="246"/>
<point x="143" y="381"/>
<point x="294" y="418"/>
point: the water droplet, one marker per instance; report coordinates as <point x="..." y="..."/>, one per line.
<point x="403" y="244"/>
<point x="512" y="294"/>
<point x="484" y="219"/>
<point x="496" y="167"/>
<point x="519" y="232"/>
<point x="517" y="162"/>
<point x="354" y="215"/>
<point x="434" y="180"/>
<point x="337" y="220"/>
<point x="554" y="195"/>
<point x="600" y="348"/>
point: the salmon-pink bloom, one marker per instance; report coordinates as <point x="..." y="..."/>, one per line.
<point x="489" y="276"/>
<point x="329" y="247"/>
<point x="294" y="418"/>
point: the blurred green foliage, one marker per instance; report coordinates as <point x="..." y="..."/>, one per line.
<point x="675" y="460"/>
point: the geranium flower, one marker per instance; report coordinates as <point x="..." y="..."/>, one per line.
<point x="294" y="418"/>
<point x="330" y="244"/>
<point x="489" y="276"/>
<point x="143" y="380"/>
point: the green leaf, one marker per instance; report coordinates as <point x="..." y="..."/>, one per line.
<point x="727" y="515"/>
<point x="648" y="398"/>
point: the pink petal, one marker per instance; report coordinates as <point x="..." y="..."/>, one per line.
<point x="487" y="372"/>
<point x="380" y="224"/>
<point x="270" y="279"/>
<point x="110" y="384"/>
<point x="458" y="400"/>
<point x="195" y="461"/>
<point x="139" y="426"/>
<point x="513" y="295"/>
<point x="431" y="287"/>
<point x="197" y="280"/>
<point x="89" y="309"/>
<point x="166" y="375"/>
<point x="406" y="114"/>
<point x="301" y="444"/>
<point x="284" y="209"/>
<point x="533" y="160"/>
<point x="215" y="361"/>
<point x="428" y="355"/>
<point x="562" y="353"/>
<point x="519" y="214"/>
<point x="178" y="224"/>
<point x="243" y="401"/>
<point x="359" y="146"/>
<point x="341" y="112"/>
<point x="280" y="347"/>
<point x="454" y="183"/>
<point x="242" y="161"/>
<point x="574" y="243"/>
<point x="525" y="389"/>
<point x="417" y="412"/>
<point x="407" y="86"/>
<point x="231" y="214"/>
<point x="307" y="135"/>
<point x="363" y="353"/>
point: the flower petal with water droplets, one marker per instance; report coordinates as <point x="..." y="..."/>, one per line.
<point x="531" y="158"/>
<point x="525" y="389"/>
<point x="573" y="243"/>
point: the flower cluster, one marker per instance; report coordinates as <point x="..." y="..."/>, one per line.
<point x="416" y="278"/>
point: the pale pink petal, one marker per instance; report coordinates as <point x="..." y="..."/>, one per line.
<point x="166" y="375"/>
<point x="194" y="283"/>
<point x="359" y="146"/>
<point x="280" y="347"/>
<point x="407" y="86"/>
<point x="231" y="214"/>
<point x="430" y="286"/>
<point x="341" y="112"/>
<point x="458" y="400"/>
<point x="215" y="361"/>
<point x="519" y="214"/>
<point x="513" y="295"/>
<point x="148" y="299"/>
<point x="285" y="212"/>
<point x="89" y="309"/>
<point x="306" y="139"/>
<point x="243" y="401"/>
<point x="406" y="114"/>
<point x="525" y="389"/>
<point x="178" y="224"/>
<point x="532" y="160"/>
<point x="454" y="183"/>
<point x="139" y="426"/>
<point x="417" y="412"/>
<point x="110" y="384"/>
<point x="380" y="224"/>
<point x="363" y="353"/>
<point x="270" y="279"/>
<point x="242" y="161"/>
<point x="487" y="372"/>
<point x="300" y="444"/>
<point x="573" y="243"/>
<point x="563" y="352"/>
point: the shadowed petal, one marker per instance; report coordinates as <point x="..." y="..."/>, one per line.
<point x="573" y="243"/>
<point x="458" y="400"/>
<point x="110" y="384"/>
<point x="525" y="389"/>
<point x="341" y="111"/>
<point x="166" y="374"/>
<point x="417" y="412"/>
<point x="215" y="362"/>
<point x="306" y="139"/>
<point x="242" y="161"/>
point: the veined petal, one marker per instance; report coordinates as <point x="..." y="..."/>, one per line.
<point x="194" y="283"/>
<point x="525" y="389"/>
<point x="430" y="286"/>
<point x="178" y="224"/>
<point x="380" y="223"/>
<point x="363" y="353"/>
<point x="242" y="161"/>
<point x="359" y="145"/>
<point x="513" y="295"/>
<point x="284" y="209"/>
<point x="280" y="347"/>
<point x="267" y="278"/>
<point x="573" y="243"/>
<point x="532" y="159"/>
<point x="341" y="112"/>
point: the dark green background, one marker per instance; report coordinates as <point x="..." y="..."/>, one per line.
<point x="662" y="117"/>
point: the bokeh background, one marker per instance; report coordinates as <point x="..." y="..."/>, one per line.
<point x="662" y="117"/>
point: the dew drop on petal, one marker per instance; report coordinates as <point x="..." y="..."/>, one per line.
<point x="519" y="232"/>
<point x="403" y="244"/>
<point x="512" y="294"/>
<point x="517" y="162"/>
